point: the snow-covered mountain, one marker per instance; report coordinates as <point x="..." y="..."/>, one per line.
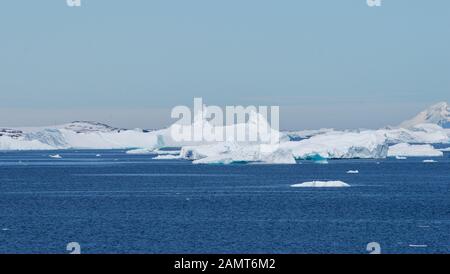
<point x="438" y="114"/>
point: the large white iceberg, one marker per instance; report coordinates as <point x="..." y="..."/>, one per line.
<point x="336" y="145"/>
<point x="227" y="153"/>
<point x="407" y="150"/>
<point x="77" y="135"/>
<point x="339" y="145"/>
<point x="421" y="133"/>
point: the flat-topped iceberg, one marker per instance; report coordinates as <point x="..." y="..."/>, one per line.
<point x="77" y="135"/>
<point x="340" y="145"/>
<point x="336" y="145"/>
<point x="407" y="150"/>
<point x="322" y="184"/>
<point x="421" y="133"/>
<point x="227" y="153"/>
<point x="429" y="161"/>
<point x="140" y="151"/>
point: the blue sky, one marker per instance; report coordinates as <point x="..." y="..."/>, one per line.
<point x="327" y="63"/>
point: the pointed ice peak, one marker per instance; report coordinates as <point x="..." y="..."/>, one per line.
<point x="438" y="114"/>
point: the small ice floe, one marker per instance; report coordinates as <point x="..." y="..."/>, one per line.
<point x="322" y="184"/>
<point x="353" y="172"/>
<point x="447" y="149"/>
<point x="400" y="157"/>
<point x="56" y="156"/>
<point x="5" y="229"/>
<point x="140" y="151"/>
<point x="418" y="246"/>
<point x="167" y="157"/>
<point x="98" y="155"/>
<point x="429" y="161"/>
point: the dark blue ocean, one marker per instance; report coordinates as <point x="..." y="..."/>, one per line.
<point x="119" y="203"/>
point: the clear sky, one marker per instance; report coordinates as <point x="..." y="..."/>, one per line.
<point x="327" y="63"/>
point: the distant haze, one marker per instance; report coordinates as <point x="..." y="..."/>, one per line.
<point x="337" y="64"/>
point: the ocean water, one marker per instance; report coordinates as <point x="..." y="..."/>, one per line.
<point x="119" y="203"/>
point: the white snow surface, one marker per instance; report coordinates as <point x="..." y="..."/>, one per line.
<point x="322" y="184"/>
<point x="339" y="145"/>
<point x="438" y="114"/>
<point x="76" y="135"/>
<point x="407" y="150"/>
<point x="227" y="153"/>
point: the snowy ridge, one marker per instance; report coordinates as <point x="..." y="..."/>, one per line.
<point x="438" y="114"/>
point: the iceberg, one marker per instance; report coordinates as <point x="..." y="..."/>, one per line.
<point x="77" y="135"/>
<point x="227" y="153"/>
<point x="407" y="150"/>
<point x="340" y="145"/>
<point x="353" y="172"/>
<point x="56" y="156"/>
<point x="429" y="161"/>
<point x="421" y="133"/>
<point x="322" y="184"/>
<point x="167" y="157"/>
<point x="336" y="145"/>
<point x="140" y="151"/>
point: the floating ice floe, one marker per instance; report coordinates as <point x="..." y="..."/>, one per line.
<point x="56" y="156"/>
<point x="418" y="246"/>
<point x="98" y="155"/>
<point x="140" y="151"/>
<point x="429" y="161"/>
<point x="447" y="149"/>
<point x="167" y="157"/>
<point x="353" y="171"/>
<point x="407" y="150"/>
<point x="322" y="184"/>
<point x="400" y="158"/>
